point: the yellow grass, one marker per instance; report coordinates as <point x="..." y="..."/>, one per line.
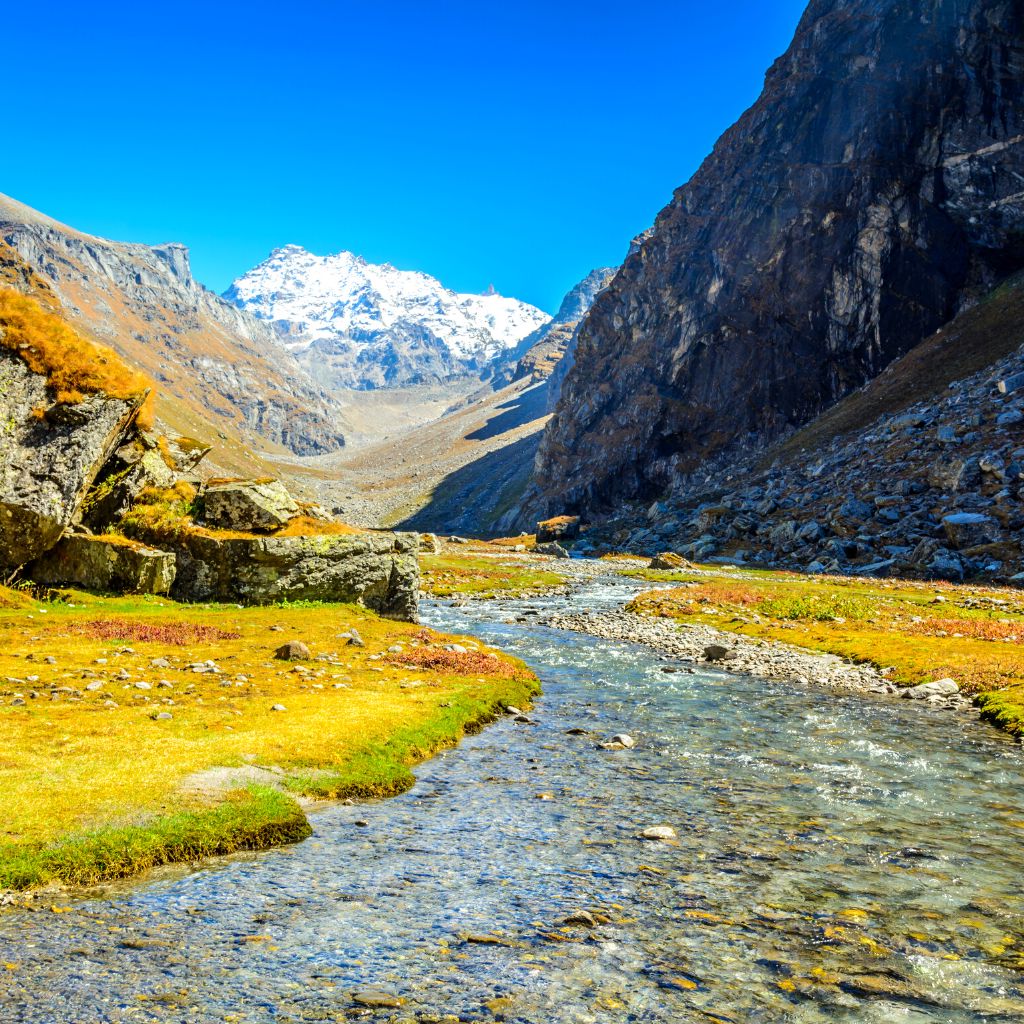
<point x="921" y="631"/>
<point x="73" y="365"/>
<point x="355" y="718"/>
<point x="477" y="575"/>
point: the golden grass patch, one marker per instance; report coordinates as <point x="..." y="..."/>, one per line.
<point x="447" y="575"/>
<point x="75" y="760"/>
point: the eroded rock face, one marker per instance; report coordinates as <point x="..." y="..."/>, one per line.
<point x="49" y="456"/>
<point x="871" y="192"/>
<point x="248" y="505"/>
<point x="100" y="564"/>
<point x="378" y="570"/>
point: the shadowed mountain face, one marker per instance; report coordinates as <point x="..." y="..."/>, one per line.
<point x="872" y="192"/>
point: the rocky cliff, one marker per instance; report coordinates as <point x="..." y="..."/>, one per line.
<point x="211" y="360"/>
<point x="871" y="194"/>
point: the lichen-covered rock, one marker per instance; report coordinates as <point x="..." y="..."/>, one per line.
<point x="136" y="464"/>
<point x="969" y="529"/>
<point x="377" y="570"/>
<point x="105" y="564"/>
<point x="669" y="560"/>
<point x="49" y="456"/>
<point x="248" y="505"/>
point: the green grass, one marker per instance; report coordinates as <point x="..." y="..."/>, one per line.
<point x="472" y="575"/>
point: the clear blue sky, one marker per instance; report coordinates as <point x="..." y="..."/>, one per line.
<point x="519" y="144"/>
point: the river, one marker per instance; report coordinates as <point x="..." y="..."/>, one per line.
<point x="839" y="858"/>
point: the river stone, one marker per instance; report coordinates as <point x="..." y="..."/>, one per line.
<point x="294" y="650"/>
<point x="104" y="564"/>
<point x="47" y="464"/>
<point x="659" y="833"/>
<point x="938" y="688"/>
<point x="248" y="505"/>
<point x="553" y="548"/>
<point x="376" y="998"/>
<point x="716" y="652"/>
<point x="377" y="570"/>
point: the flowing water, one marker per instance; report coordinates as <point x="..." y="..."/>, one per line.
<point x="839" y="858"/>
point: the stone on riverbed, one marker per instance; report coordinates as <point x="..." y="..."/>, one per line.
<point x="376" y="998"/>
<point x="620" y="741"/>
<point x="659" y="834"/>
<point x="716" y="652"/>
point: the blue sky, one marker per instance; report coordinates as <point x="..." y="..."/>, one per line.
<point x="514" y="144"/>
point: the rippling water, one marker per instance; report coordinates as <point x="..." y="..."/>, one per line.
<point x="838" y="859"/>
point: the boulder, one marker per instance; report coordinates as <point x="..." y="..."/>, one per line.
<point x="716" y="652"/>
<point x="429" y="544"/>
<point x="669" y="560"/>
<point x="938" y="688"/>
<point x="955" y="474"/>
<point x="49" y="458"/>
<point x="969" y="529"/>
<point x="552" y="548"/>
<point x="558" y="529"/>
<point x="105" y="564"/>
<point x="377" y="570"/>
<point x="248" y="505"/>
<point x="293" y="650"/>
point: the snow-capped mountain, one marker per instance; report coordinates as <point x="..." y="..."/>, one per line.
<point x="363" y="325"/>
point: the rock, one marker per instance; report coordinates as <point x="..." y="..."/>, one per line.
<point x="106" y="564"/>
<point x="716" y="652"/>
<point x="278" y="707"/>
<point x="248" y="505"/>
<point x="938" y="688"/>
<point x="376" y="998"/>
<point x="553" y="548"/>
<point x="429" y="544"/>
<point x="1010" y="384"/>
<point x="659" y="833"/>
<point x="294" y="650"/>
<point x="623" y="740"/>
<point x="377" y="570"/>
<point x="558" y="529"/>
<point x="162" y="716"/>
<point x="669" y="560"/>
<point x="354" y="639"/>
<point x="1010" y="418"/>
<point x="581" y="917"/>
<point x="48" y="463"/>
<point x="969" y="529"/>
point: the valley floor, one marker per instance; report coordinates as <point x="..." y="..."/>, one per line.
<point x="139" y="732"/>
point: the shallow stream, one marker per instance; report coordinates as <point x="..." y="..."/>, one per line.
<point x="839" y="858"/>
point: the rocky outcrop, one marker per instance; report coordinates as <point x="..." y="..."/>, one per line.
<point x="105" y="564"/>
<point x="560" y="528"/>
<point x="248" y="505"/>
<point x="206" y="355"/>
<point x="143" y="460"/>
<point x="378" y="570"/>
<point x="870" y="194"/>
<point x="49" y="456"/>
<point x="541" y="355"/>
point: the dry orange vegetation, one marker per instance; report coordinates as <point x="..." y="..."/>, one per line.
<point x="72" y="365"/>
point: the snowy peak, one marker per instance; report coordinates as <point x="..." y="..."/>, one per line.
<point x="364" y="325"/>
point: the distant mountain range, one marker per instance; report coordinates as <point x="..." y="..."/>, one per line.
<point x="355" y="324"/>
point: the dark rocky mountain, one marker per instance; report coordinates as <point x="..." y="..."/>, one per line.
<point x="870" y="195"/>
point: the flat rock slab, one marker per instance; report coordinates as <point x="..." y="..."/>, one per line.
<point x="248" y="505"/>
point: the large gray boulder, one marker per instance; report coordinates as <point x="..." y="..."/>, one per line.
<point x="377" y="570"/>
<point x="105" y="564"/>
<point x="248" y="505"/>
<point x="969" y="529"/>
<point x="49" y="456"/>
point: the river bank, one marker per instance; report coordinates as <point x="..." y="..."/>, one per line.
<point x="139" y="732"/>
<point x="821" y="869"/>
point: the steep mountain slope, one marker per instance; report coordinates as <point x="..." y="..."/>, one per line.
<point x="538" y="354"/>
<point x="214" y="364"/>
<point x="872" y="192"/>
<point x="362" y="325"/>
<point x="919" y="473"/>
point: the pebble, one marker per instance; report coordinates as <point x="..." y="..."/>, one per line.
<point x="659" y="833"/>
